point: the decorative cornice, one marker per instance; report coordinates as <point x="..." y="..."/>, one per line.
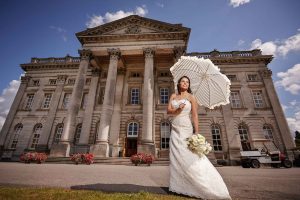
<point x="149" y="52"/>
<point x="114" y="53"/>
<point x="25" y="79"/>
<point x="266" y="73"/>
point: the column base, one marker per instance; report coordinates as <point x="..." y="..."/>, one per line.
<point x="100" y="150"/>
<point x="115" y="151"/>
<point x="146" y="148"/>
<point x="60" y="150"/>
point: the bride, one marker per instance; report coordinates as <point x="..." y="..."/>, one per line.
<point x="190" y="174"/>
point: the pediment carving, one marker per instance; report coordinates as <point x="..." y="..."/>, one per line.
<point x="131" y="26"/>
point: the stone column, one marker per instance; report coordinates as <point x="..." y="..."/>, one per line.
<point x="234" y="145"/>
<point x="12" y="112"/>
<point x="88" y="113"/>
<point x="47" y="129"/>
<point x="63" y="148"/>
<point x="285" y="132"/>
<point x="147" y="143"/>
<point x="116" y="117"/>
<point x="101" y="147"/>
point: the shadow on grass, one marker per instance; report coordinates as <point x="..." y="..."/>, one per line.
<point x="125" y="188"/>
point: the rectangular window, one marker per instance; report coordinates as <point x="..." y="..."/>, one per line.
<point x="15" y="141"/>
<point x="164" y="95"/>
<point x="232" y="77"/>
<point x="71" y="81"/>
<point x="135" y="74"/>
<point x="165" y="135"/>
<point x="36" y="82"/>
<point x="66" y="100"/>
<point x="84" y="100"/>
<point x="29" y="101"/>
<point x="52" y="81"/>
<point x="35" y="140"/>
<point x="47" y="101"/>
<point x="87" y="81"/>
<point x="252" y="77"/>
<point x="257" y="98"/>
<point x="164" y="74"/>
<point x="135" y="96"/>
<point x="235" y="100"/>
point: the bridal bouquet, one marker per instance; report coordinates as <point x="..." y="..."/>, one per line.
<point x="198" y="145"/>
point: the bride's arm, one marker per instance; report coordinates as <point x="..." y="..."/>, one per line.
<point x="195" y="113"/>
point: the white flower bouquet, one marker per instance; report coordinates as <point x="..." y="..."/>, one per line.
<point x="198" y="145"/>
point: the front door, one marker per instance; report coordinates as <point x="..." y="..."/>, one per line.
<point x="131" y="146"/>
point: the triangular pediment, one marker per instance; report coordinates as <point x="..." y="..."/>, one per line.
<point x="129" y="26"/>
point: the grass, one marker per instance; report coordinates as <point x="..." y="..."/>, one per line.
<point x="11" y="193"/>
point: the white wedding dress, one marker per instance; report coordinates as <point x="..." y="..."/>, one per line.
<point x="189" y="174"/>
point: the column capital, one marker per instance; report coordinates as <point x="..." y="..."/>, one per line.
<point x="149" y="52"/>
<point x="114" y="53"/>
<point x="85" y="54"/>
<point x="96" y="72"/>
<point x="61" y="79"/>
<point x="266" y="73"/>
<point x="178" y="51"/>
<point x="25" y="79"/>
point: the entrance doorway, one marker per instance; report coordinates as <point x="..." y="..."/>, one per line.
<point x="131" y="146"/>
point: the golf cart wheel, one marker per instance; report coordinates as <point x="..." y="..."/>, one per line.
<point x="255" y="164"/>
<point x="287" y="163"/>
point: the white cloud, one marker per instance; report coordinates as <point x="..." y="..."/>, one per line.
<point x="97" y="20"/>
<point x="160" y="4"/>
<point x="278" y="48"/>
<point x="294" y="120"/>
<point x="241" y="42"/>
<point x="62" y="32"/>
<point x="6" y="99"/>
<point x="289" y="80"/>
<point x="237" y="3"/>
<point x="267" y="48"/>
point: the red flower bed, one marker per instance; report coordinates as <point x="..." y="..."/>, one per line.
<point x="86" y="158"/>
<point x="33" y="157"/>
<point x="142" y="158"/>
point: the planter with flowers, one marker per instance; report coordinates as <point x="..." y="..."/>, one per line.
<point x="142" y="158"/>
<point x="86" y="158"/>
<point x="33" y="157"/>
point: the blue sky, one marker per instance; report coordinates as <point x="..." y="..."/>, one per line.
<point x="40" y="28"/>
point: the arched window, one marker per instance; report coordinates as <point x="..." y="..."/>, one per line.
<point x="17" y="132"/>
<point x="36" y="135"/>
<point x="243" y="131"/>
<point x="58" y="133"/>
<point x="216" y="135"/>
<point x="268" y="132"/>
<point x="133" y="129"/>
<point x="165" y="134"/>
<point x="77" y="133"/>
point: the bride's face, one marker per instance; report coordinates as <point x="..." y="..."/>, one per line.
<point x="184" y="84"/>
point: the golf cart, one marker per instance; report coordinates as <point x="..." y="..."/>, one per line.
<point x="266" y="152"/>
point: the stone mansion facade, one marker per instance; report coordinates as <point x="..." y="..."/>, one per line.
<point x="112" y="100"/>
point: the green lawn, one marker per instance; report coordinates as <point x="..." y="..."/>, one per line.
<point x="8" y="193"/>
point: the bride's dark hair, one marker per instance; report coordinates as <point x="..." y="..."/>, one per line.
<point x="189" y="88"/>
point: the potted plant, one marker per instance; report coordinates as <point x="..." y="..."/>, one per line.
<point x="76" y="158"/>
<point x="40" y="157"/>
<point x="88" y="158"/>
<point x="33" y="157"/>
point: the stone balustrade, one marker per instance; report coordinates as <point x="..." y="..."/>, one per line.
<point x="67" y="59"/>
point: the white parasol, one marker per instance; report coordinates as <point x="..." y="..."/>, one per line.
<point x="210" y="87"/>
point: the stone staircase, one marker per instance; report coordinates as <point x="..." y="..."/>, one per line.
<point x="108" y="161"/>
<point x="117" y="161"/>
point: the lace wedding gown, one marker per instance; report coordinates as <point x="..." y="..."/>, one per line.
<point x="190" y="174"/>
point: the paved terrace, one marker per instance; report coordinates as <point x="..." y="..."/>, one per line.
<point x="263" y="183"/>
